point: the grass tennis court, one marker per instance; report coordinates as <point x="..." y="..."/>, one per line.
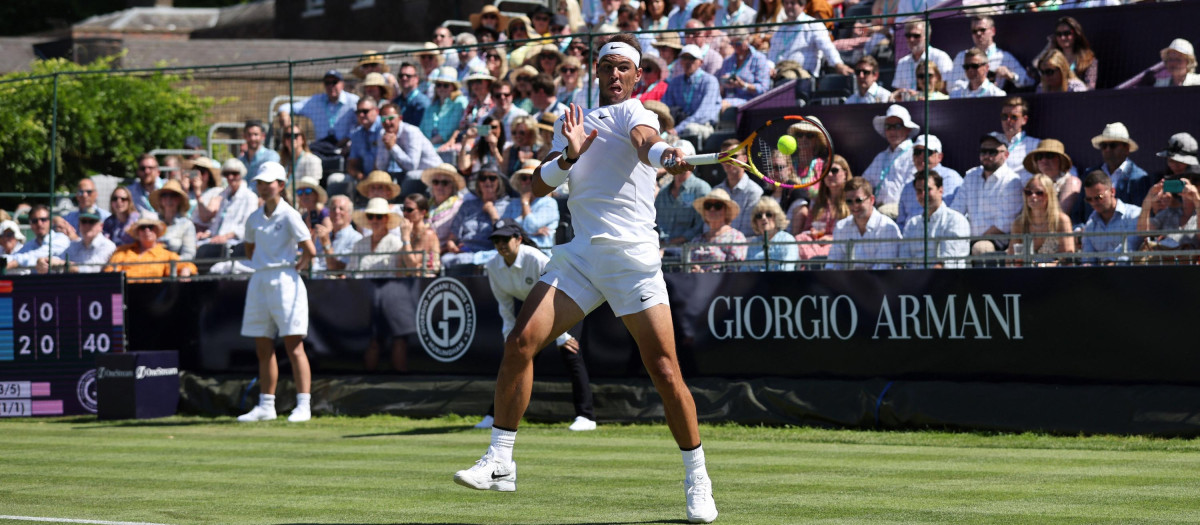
<point x="385" y="469"/>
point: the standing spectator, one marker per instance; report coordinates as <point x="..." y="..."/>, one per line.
<point x="120" y="202"/>
<point x="331" y="113"/>
<point x="468" y="241"/>
<point x="145" y="259"/>
<point x="1013" y="118"/>
<point x="444" y="39"/>
<point x="375" y="87"/>
<point x="231" y="208"/>
<point x="539" y="215"/>
<point x="694" y="96"/>
<point x="745" y="74"/>
<point x="866" y="75"/>
<point x="828" y="208"/>
<point x="805" y="41"/>
<point x="276" y="298"/>
<point x="256" y="153"/>
<point x="735" y="13"/>
<point x="936" y="221"/>
<point x="678" y="222"/>
<point x="85" y="198"/>
<point x="403" y="151"/>
<point x="744" y="191"/>
<point x="337" y="238"/>
<point x="411" y="100"/>
<point x="88" y="253"/>
<point x="364" y="139"/>
<point x="1051" y="159"/>
<point x="1180" y="61"/>
<point x="441" y="120"/>
<point x="1040" y="214"/>
<point x="504" y="110"/>
<point x="379" y="220"/>
<point x="892" y="168"/>
<point x="43" y="243"/>
<point x="431" y="60"/>
<point x="928" y="146"/>
<point x="1068" y="38"/>
<point x="423" y="257"/>
<point x="863" y="224"/>
<point x="468" y="55"/>
<point x="1056" y="75"/>
<point x="445" y="184"/>
<point x="1130" y="181"/>
<point x="770" y="229"/>
<point x="975" y="68"/>
<point x="524" y="145"/>
<point x="1006" y="67"/>
<point x="668" y="47"/>
<point x="720" y="242"/>
<point x="915" y="33"/>
<point x="148" y="181"/>
<point x="1111" y="214"/>
<point x="171" y="204"/>
<point x="294" y="148"/>
<point x="697" y="35"/>
<point x="990" y="196"/>
<point x="653" y="84"/>
<point x="542" y="97"/>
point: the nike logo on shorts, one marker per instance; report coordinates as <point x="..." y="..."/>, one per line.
<point x="647" y="297"/>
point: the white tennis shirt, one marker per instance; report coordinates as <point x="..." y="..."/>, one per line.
<point x="275" y="237"/>
<point x="612" y="191"/>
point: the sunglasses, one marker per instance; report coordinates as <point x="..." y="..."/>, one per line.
<point x="1111" y="145"/>
<point x="147" y="168"/>
<point x="231" y="174"/>
<point x="145" y="227"/>
<point x="650" y="70"/>
<point x="1039" y="193"/>
<point x="857" y="200"/>
<point x="979" y="30"/>
<point x="491" y="15"/>
<point x="441" y="182"/>
<point x="1010" y="117"/>
<point x="506" y="94"/>
<point x="406" y="209"/>
<point x="835" y="170"/>
<point x="893" y="127"/>
<point x="489" y="178"/>
<point x="85" y="192"/>
<point x="972" y="67"/>
<point x="40" y="219"/>
<point x="443" y="86"/>
<point x="1097" y="198"/>
<point x="1061" y="34"/>
<point x="570" y="70"/>
<point x="405" y="75"/>
<point x="121" y="199"/>
<point x="289" y="136"/>
<point x="376" y="216"/>
<point x="864" y="72"/>
<point x="389" y="118"/>
<point x="525" y="178"/>
<point x="1045" y="156"/>
<point x="331" y="82"/>
<point x="493" y="57"/>
<point x="711" y="206"/>
<point x="912" y="35"/>
<point x="989" y="152"/>
<point x="305" y="191"/>
<point x="807" y="135"/>
<point x="917" y="152"/>
<point x="364" y="111"/>
<point x="87" y="221"/>
<point x="762" y="215"/>
<point x="1048" y="72"/>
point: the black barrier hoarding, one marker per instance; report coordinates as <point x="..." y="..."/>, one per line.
<point x="1091" y="325"/>
<point x="139" y="385"/>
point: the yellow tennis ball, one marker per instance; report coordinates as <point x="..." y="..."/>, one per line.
<point x="787" y="144"/>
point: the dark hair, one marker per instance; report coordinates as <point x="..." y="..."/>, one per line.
<point x="870" y="61"/>
<point x="500" y="83"/>
<point x="145" y="156"/>
<point x="254" y="124"/>
<point x="38" y="207"/>
<point x="480" y="145"/>
<point x="388" y="105"/>
<point x="408" y="64"/>
<point x="931" y="176"/>
<point x="1096" y="177"/>
<point x="485" y="30"/>
<point x="544" y="83"/>
<point x="420" y="200"/>
<point x="858" y="183"/>
<point x="630" y="11"/>
<point x="1017" y="102"/>
<point x="1081" y="48"/>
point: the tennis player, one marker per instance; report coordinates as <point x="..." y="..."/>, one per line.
<point x="610" y="155"/>
<point x="276" y="299"/>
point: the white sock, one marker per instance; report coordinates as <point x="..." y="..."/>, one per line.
<point x="502" y="445"/>
<point x="302" y="400"/>
<point x="693" y="462"/>
<point x="266" y="400"/>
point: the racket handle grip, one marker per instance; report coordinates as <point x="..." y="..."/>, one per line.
<point x="695" y="160"/>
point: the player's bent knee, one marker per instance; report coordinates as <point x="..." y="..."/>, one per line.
<point x="520" y="345"/>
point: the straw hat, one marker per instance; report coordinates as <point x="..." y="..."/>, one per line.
<point x="448" y="75"/>
<point x="370" y="56"/>
<point x="804" y="126"/>
<point x="547" y="49"/>
<point x="1048" y="146"/>
<point x="477" y="18"/>
<point x="479" y="74"/>
<point x="670" y="40"/>
<point x="731" y="208"/>
<point x="526" y="70"/>
<point x="900" y="112"/>
<point x="379" y="177"/>
<point x="663" y="112"/>
<point x="446" y="169"/>
<point x="546" y="121"/>
<point x="1114" y="132"/>
<point x="206" y="163"/>
<point x="527" y="167"/>
<point x="376" y="79"/>
<point x="431" y="48"/>
<point x="376" y="206"/>
<point x="315" y="185"/>
<point x="172" y="186"/>
<point x="508" y="26"/>
<point x="152" y="220"/>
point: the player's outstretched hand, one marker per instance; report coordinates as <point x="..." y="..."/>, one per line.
<point x="578" y="141"/>
<point x="676" y="164"/>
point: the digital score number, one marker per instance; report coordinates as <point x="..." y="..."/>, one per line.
<point x="51" y="330"/>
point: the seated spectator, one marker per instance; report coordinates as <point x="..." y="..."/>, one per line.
<point x="1005" y="67"/>
<point x="868" y="91"/>
<point x="546" y="59"/>
<point x="1130" y="181"/>
<point x="697" y="35"/>
<point x="87" y="254"/>
<point x="975" y="67"/>
<point x="85" y="199"/>
<point x="1171" y="211"/>
<point x="308" y="166"/>
<point x="863" y="224"/>
<point x="806" y="163"/>
<point x="718" y="242"/>
<point x="495" y="63"/>
<point x="1050" y="159"/>
<point x="440" y="123"/>
<point x="403" y="151"/>
<point x="545" y="131"/>
<point x="1182" y="154"/>
<point x="412" y="101"/>
<point x="364" y="139"/>
<point x="120" y="203"/>
<point x="490" y="17"/>
<point x="804" y="41"/>
<point x="310" y="203"/>
<point x="206" y="181"/>
<point x="423" y="257"/>
<point x="694" y="96"/>
<point x="570" y="79"/>
<point x="482" y="145"/>
<point x="607" y="14"/>
<point x="1039" y="215"/>
<point x="468" y="241"/>
<point x="936" y="86"/>
<point x="373" y="62"/>
<point x="375" y="87"/>
<point x="379" y="185"/>
<point x="504" y="110"/>
<point x="436" y="65"/>
<point x="522" y="82"/>
<point x="1110" y="214"/>
<point x="668" y="47"/>
<point x="469" y="59"/>
<point x="145" y="259"/>
<point x="928" y="146"/>
<point x="540" y="20"/>
<point x="1014" y="115"/>
<point x="335" y="238"/>
<point x="653" y="84"/>
<point x="231" y="208"/>
<point x="171" y="204"/>
<point x="443" y="38"/>
<point x="740" y="187"/>
<point x="915" y="33"/>
<point x="787" y="70"/>
<point x="666" y="123"/>
<point x="149" y="180"/>
<point x="990" y="196"/>
<point x="445" y="184"/>
<point x="1068" y="39"/>
<point x="892" y="168"/>
<point x="678" y="222"/>
<point x="542" y="99"/>
<point x="539" y="215"/>
<point x="935" y="223"/>
<point x="383" y="260"/>
<point x="869" y="37"/>
<point x="1180" y="61"/>
<point x="43" y="243"/>
<point x="525" y="144"/>
<point x="771" y="223"/>
<point x="744" y="75"/>
<point x="770" y="12"/>
<point x="828" y="207"/>
<point x="1056" y="75"/>
<point x="331" y="113"/>
<point x="735" y="13"/>
<point x="795" y="201"/>
<point x="654" y="14"/>
<point x="479" y="99"/>
<point x="11" y="240"/>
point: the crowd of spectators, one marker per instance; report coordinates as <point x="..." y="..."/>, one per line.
<point x="431" y="155"/>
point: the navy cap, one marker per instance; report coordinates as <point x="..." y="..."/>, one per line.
<point x="507" y="228"/>
<point x="333" y="73"/>
<point x="192" y="142"/>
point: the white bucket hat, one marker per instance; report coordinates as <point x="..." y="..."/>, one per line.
<point x="12" y="226"/>
<point x="1180" y="46"/>
<point x="898" y="111"/>
<point x="1114" y="132"/>
<point x="1182" y="148"/>
<point x="934" y="144"/>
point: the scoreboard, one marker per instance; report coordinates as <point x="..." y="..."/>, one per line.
<point x="52" y="328"/>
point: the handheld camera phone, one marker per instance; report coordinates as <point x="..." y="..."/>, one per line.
<point x="1173" y="186"/>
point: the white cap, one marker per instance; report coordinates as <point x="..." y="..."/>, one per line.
<point x="934" y="143"/>
<point x="270" y="171"/>
<point x="692" y="49"/>
<point x="13" y="227"/>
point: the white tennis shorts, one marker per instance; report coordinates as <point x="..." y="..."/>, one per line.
<point x="627" y="275"/>
<point x="276" y="304"/>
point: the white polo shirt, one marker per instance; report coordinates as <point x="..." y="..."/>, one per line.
<point x="514" y="282"/>
<point x="275" y="237"/>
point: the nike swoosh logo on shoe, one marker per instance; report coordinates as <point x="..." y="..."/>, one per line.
<point x="498" y="475"/>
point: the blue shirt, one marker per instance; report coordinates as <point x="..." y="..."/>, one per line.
<point x="252" y="164"/>
<point x="679" y="17"/>
<point x="328" y="118"/>
<point x="72" y="218"/>
<point x="911" y="207"/>
<point x="442" y="118"/>
<point x="543" y="213"/>
<point x="675" y="216"/>
<point x="141" y="195"/>
<point x="35" y="249"/>
<point x="782" y="248"/>
<point x="363" y="142"/>
<point x="341" y="242"/>
<point x="472" y="227"/>
<point x="698" y="96"/>
<point x="1124" y="219"/>
<point x="755" y="70"/>
<point x="412" y="108"/>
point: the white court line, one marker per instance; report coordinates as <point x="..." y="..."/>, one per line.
<point x="68" y="520"/>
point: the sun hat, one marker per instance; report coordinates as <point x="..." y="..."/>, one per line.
<point x="206" y="163"/>
<point x="670" y="40"/>
<point x="175" y="187"/>
<point x="526" y="70"/>
<point x="446" y="169"/>
<point x="1181" y="148"/>
<point x="448" y="75"/>
<point x="546" y="121"/>
<point x="663" y="112"/>
<point x="378" y="177"/>
<point x="527" y="167"/>
<point x="479" y="74"/>
<point x="511" y="23"/>
<point x="805" y="126"/>
<point x="1114" y="132"/>
<point x="548" y="49"/>
<point x="1180" y="46"/>
<point x="934" y="144"/>
<point x="376" y="206"/>
<point x="376" y="79"/>
<point x="657" y="61"/>
<point x="233" y="164"/>
<point x="731" y="207"/>
<point x="493" y="168"/>
<point x="476" y="19"/>
<point x="314" y="184"/>
<point x="12" y="226"/>
<point x="693" y="50"/>
<point x="270" y="171"/>
<point x="898" y="111"/>
<point x="370" y="56"/>
<point x="152" y="220"/>
<point x="1048" y="146"/>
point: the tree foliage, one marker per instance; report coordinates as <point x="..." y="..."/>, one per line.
<point x="106" y="118"/>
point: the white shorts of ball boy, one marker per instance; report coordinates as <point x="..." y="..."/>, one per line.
<point x="276" y="304"/>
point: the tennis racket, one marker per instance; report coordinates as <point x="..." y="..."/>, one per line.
<point x="766" y="156"/>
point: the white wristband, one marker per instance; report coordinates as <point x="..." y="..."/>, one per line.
<point x="656" y="153"/>
<point x="553" y="175"/>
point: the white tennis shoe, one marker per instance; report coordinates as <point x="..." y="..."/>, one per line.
<point x="258" y="413"/>
<point x="300" y="414"/>
<point x="700" y="505"/>
<point x="488" y="474"/>
<point x="582" y="424"/>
